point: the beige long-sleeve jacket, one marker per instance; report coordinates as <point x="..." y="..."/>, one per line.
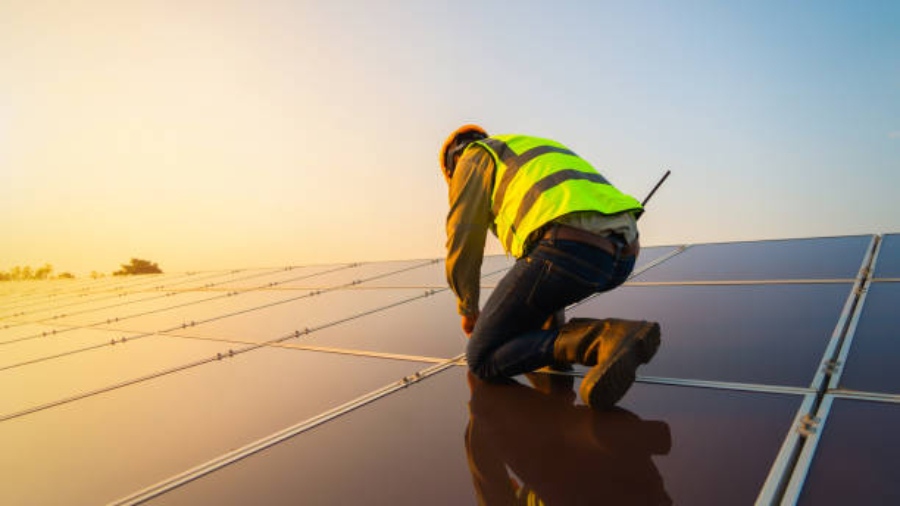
<point x="470" y="218"/>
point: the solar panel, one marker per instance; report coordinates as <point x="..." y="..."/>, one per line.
<point x="213" y="306"/>
<point x="820" y="258"/>
<point x="356" y="274"/>
<point x="106" y="446"/>
<point x="24" y="351"/>
<point x="428" y="326"/>
<point x="430" y="442"/>
<point x="856" y="457"/>
<point x="108" y="311"/>
<point x="888" y="265"/>
<point x="769" y="334"/>
<point x="280" y="318"/>
<point x="433" y="275"/>
<point x="218" y="365"/>
<point x="873" y="363"/>
<point x="72" y="375"/>
<point x="16" y="332"/>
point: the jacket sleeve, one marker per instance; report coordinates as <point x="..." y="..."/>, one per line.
<point x="467" y="224"/>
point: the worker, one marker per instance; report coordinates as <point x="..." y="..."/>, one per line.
<point x="572" y="233"/>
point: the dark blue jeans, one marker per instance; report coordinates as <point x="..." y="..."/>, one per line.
<point x="508" y="339"/>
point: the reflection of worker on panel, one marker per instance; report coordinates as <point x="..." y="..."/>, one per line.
<point x="573" y="233"/>
<point x="548" y="444"/>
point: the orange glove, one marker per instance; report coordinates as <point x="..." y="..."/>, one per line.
<point x="468" y="324"/>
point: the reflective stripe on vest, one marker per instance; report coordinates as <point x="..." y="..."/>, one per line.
<point x="537" y="180"/>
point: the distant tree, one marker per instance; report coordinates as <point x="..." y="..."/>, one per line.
<point x="19" y="273"/>
<point x="96" y="275"/>
<point x="43" y="272"/>
<point x="65" y="275"/>
<point x="138" y="266"/>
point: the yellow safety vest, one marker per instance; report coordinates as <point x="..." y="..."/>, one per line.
<point x="538" y="180"/>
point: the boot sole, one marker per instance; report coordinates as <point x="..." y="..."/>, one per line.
<point x="602" y="389"/>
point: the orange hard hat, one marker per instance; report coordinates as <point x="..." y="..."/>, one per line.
<point x="446" y="155"/>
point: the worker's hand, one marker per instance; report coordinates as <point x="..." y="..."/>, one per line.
<point x="468" y="324"/>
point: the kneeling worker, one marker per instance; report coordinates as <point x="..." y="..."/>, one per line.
<point x="573" y="234"/>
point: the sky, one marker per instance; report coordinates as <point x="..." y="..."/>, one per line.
<point x="212" y="135"/>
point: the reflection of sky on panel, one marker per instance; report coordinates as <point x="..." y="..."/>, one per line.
<point x="651" y="253"/>
<point x="429" y="326"/>
<point x="183" y="315"/>
<point x="309" y="312"/>
<point x="771" y="334"/>
<point x="109" y="311"/>
<point x="874" y="360"/>
<point x="43" y="382"/>
<point x="275" y="276"/>
<point x="856" y="457"/>
<point x="104" y="291"/>
<point x="411" y="448"/>
<point x="41" y="291"/>
<point x="888" y="264"/>
<point x="32" y="349"/>
<point x="434" y="275"/>
<point x="358" y="273"/>
<point x="15" y="332"/>
<point x="819" y="258"/>
<point x="11" y="291"/>
<point x="171" y="423"/>
<point x="78" y="305"/>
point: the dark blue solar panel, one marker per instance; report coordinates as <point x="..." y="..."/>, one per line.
<point x="856" y="458"/>
<point x="873" y="363"/>
<point x="888" y="264"/>
<point x="771" y="334"/>
<point x="819" y="258"/>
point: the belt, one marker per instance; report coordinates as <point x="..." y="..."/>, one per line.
<point x="567" y="233"/>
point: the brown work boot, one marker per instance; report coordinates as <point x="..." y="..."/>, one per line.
<point x="585" y="340"/>
<point x="623" y="346"/>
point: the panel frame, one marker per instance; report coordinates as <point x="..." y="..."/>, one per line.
<point x="811" y="429"/>
<point x="807" y="453"/>
<point x="781" y="471"/>
<point x="861" y="290"/>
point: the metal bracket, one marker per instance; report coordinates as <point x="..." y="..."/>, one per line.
<point x="832" y="366"/>
<point x="809" y="425"/>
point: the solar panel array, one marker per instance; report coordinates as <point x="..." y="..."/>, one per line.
<point x="778" y="381"/>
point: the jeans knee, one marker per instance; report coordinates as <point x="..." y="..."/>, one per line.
<point x="478" y="361"/>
